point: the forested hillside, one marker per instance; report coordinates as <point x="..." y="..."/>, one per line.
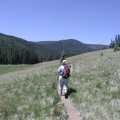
<point x="15" y="50"/>
<point x="71" y="46"/>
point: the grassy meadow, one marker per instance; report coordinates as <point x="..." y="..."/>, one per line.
<point x="30" y="92"/>
<point x="96" y="78"/>
<point x="11" y="68"/>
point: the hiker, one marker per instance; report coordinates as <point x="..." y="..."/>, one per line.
<point x="64" y="74"/>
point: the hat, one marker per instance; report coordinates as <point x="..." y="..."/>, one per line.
<point x="64" y="62"/>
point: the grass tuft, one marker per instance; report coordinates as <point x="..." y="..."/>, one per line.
<point x="31" y="98"/>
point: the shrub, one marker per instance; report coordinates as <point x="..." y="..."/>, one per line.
<point x="101" y="54"/>
<point x="116" y="48"/>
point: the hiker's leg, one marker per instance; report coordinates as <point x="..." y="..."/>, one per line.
<point x="66" y="88"/>
<point x="61" y="85"/>
<point x="66" y="85"/>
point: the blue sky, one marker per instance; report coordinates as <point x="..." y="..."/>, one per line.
<point x="89" y="21"/>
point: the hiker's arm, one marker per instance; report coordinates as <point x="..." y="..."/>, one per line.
<point x="59" y="71"/>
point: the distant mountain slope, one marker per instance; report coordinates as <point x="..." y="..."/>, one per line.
<point x="70" y="46"/>
<point x="97" y="46"/>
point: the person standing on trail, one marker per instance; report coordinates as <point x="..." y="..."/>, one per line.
<point x="64" y="74"/>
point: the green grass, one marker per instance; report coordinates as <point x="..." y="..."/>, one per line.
<point x="32" y="98"/>
<point x="96" y="79"/>
<point x="11" y="68"/>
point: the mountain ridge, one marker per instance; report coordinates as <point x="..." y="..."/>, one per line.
<point x="15" y="50"/>
<point x="71" y="45"/>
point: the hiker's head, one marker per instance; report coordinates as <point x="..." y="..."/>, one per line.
<point x="64" y="62"/>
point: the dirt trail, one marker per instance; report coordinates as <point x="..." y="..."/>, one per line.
<point x="72" y="113"/>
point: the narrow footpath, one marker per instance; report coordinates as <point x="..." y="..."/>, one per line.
<point x="72" y="112"/>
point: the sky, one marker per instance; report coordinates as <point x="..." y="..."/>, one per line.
<point x="89" y="21"/>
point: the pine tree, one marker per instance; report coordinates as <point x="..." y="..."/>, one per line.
<point x="63" y="57"/>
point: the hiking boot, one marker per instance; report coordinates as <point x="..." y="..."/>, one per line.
<point x="66" y="95"/>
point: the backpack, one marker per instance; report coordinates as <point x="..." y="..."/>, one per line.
<point x="66" y="71"/>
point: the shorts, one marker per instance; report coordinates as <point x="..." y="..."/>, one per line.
<point x="63" y="82"/>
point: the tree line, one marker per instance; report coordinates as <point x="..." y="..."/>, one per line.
<point x="115" y="43"/>
<point x="14" y="50"/>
